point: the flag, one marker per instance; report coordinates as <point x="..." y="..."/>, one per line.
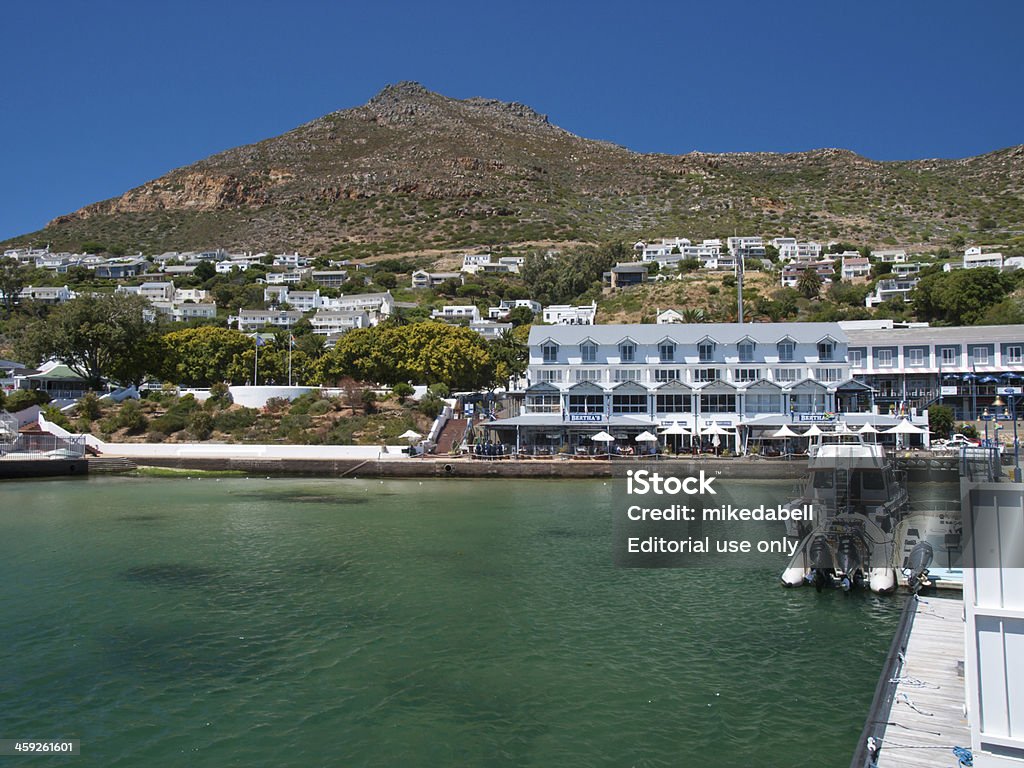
<point x="259" y="341"/>
<point x="291" y="340"/>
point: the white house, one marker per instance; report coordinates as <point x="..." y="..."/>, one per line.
<point x="791" y="273"/>
<point x="290" y="260"/>
<point x="974" y="258"/>
<point x="891" y="256"/>
<point x="856" y="268"/>
<point x="488" y="329"/>
<point x="457" y="312"/>
<point x="891" y="289"/>
<point x="669" y="317"/>
<point x="566" y="314"/>
<point x="45" y="294"/>
<point x="423" y="279"/>
<point x="501" y="311"/>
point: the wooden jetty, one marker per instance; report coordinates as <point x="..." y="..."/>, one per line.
<point x="917" y="717"/>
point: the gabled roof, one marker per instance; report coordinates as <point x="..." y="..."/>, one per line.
<point x="674" y="384"/>
<point x="687" y="333"/>
<point x="586" y="385"/>
<point x="807" y="384"/>
<point x="762" y="383"/>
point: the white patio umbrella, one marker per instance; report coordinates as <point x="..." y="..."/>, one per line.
<point x="716" y="430"/>
<point x="602" y="437"/>
<point x="676" y="429"/>
<point x="814" y="431"/>
<point x="904" y="427"/>
<point x="867" y="429"/>
<point x="646" y="437"/>
<point x="410" y="434"/>
<point x="785" y="431"/>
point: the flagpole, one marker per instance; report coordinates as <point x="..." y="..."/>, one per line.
<point x="290" y="344"/>
<point x="256" y="364"/>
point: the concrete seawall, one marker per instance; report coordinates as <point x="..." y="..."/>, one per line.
<point x="504" y="468"/>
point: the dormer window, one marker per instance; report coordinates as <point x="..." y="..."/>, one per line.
<point x="667" y="351"/>
<point x="550" y="352"/>
<point x="588" y="352"/>
<point x="826" y="350"/>
<point x="786" y="350"/>
<point x="746" y="350"/>
<point x="706" y="351"/>
<point x="627" y="352"/>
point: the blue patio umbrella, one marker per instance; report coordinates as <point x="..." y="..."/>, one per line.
<point x="950" y="377"/>
<point x="1010" y="375"/>
<point x="968" y="377"/>
<point x="988" y="380"/>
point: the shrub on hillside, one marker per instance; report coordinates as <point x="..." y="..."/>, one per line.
<point x="200" y="425"/>
<point x="235" y="420"/>
<point x="21" y="399"/>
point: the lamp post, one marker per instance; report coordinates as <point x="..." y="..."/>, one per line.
<point x="986" y="417"/>
<point x="1012" y="413"/>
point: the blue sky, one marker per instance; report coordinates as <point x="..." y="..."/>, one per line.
<point x="102" y="96"/>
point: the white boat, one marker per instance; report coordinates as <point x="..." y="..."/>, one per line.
<point x="859" y="499"/>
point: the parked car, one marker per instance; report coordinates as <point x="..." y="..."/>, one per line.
<point x="955" y="443"/>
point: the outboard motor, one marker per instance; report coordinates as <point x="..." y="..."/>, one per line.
<point x="821" y="562"/>
<point x="917" y="563"/>
<point x="848" y="561"/>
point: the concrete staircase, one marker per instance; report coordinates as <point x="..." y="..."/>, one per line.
<point x="110" y="465"/>
<point x="451" y="436"/>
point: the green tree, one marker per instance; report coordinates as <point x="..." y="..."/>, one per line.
<point x="200" y="357"/>
<point x="421" y="352"/>
<point x="99" y="337"/>
<point x="520" y="316"/>
<point x="204" y="271"/>
<point x="13" y="277"/>
<point x="960" y="297"/>
<point x="940" y="420"/>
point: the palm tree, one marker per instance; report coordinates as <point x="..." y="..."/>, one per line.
<point x="694" y="315"/>
<point x="809" y="283"/>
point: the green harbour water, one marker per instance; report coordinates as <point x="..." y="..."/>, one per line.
<point x="274" y="622"/>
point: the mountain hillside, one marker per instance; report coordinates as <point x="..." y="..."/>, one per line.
<point x="415" y="170"/>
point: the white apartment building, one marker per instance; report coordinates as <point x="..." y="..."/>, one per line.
<point x="256" y="319"/>
<point x="747" y="247"/>
<point x="180" y="312"/>
<point x="706" y="250"/>
<point x="566" y="314"/>
<point x="293" y="277"/>
<point x="792" y="250"/>
<point x="966" y="368"/>
<point x="662" y="252"/>
<point x="331" y="322"/>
